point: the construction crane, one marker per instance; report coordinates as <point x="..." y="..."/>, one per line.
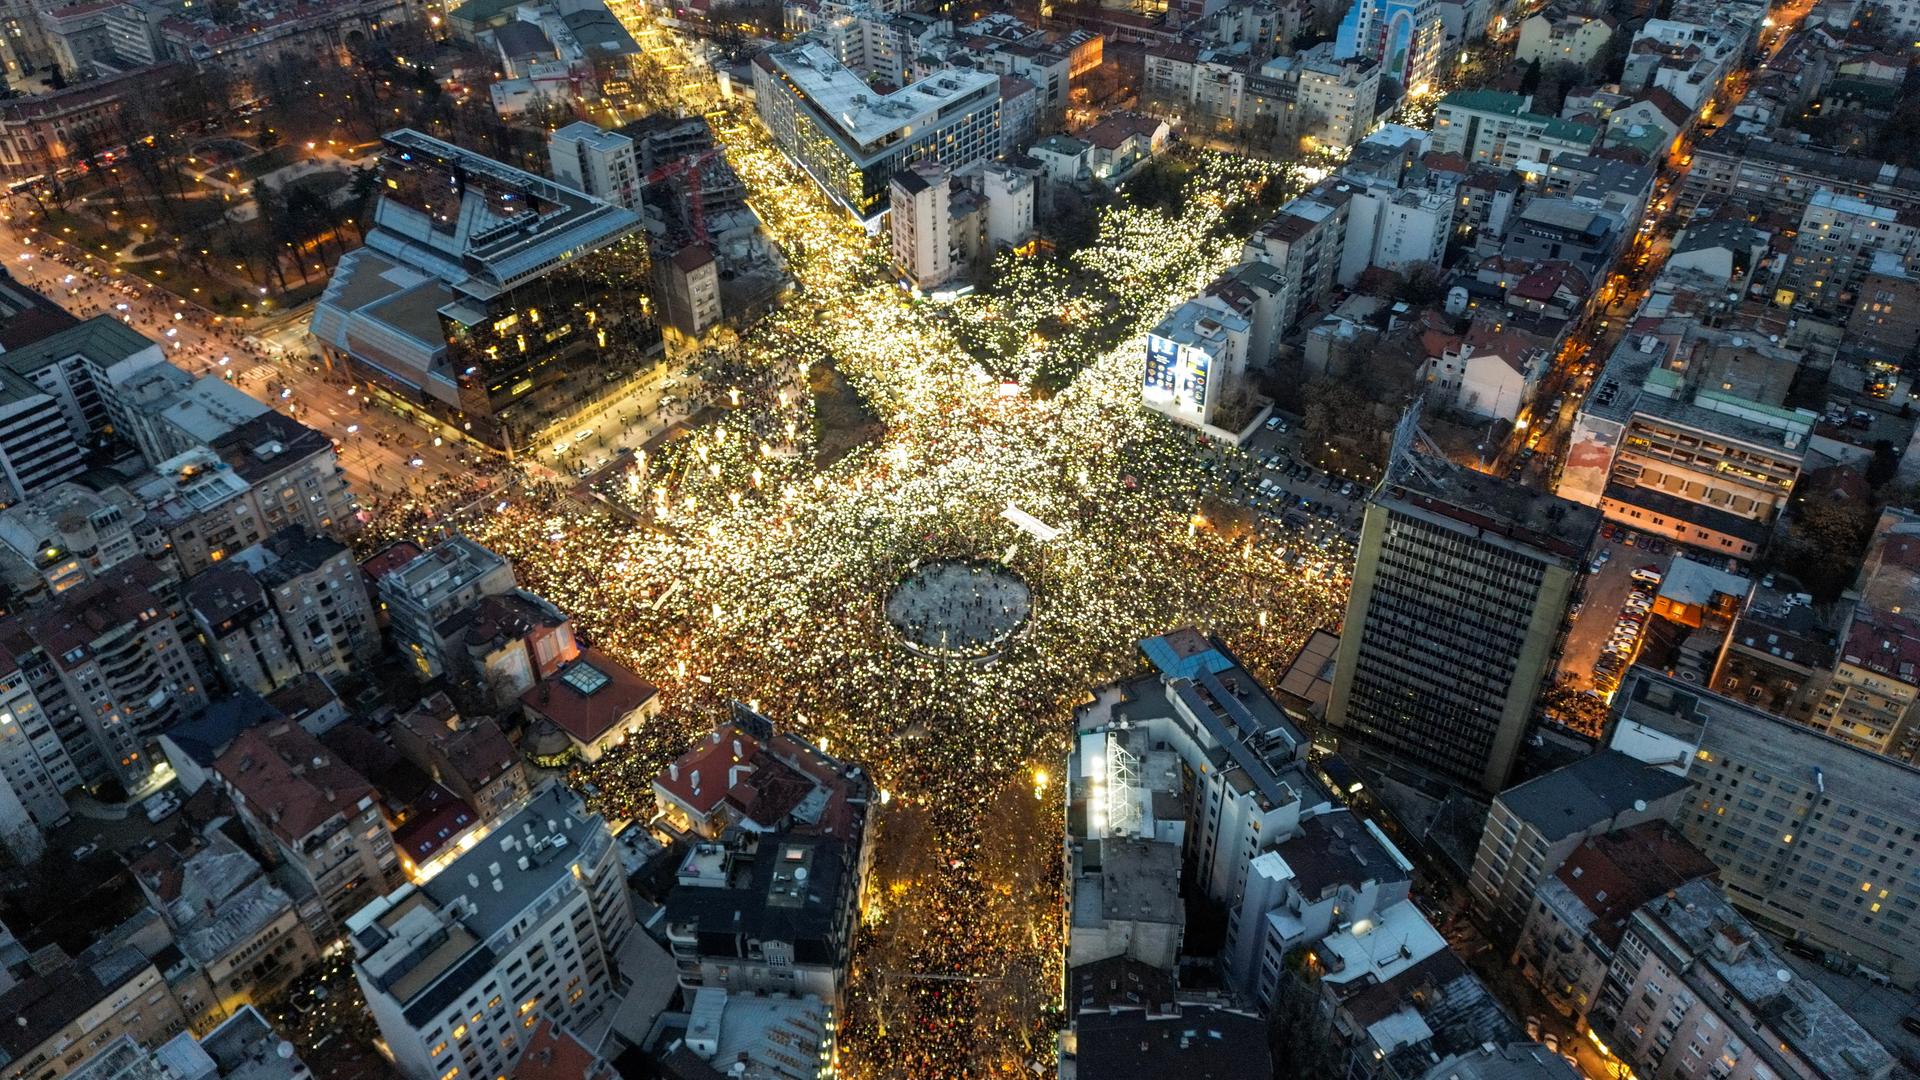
<point x="691" y="185"/>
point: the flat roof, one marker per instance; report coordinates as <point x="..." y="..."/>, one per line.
<point x="858" y="111"/>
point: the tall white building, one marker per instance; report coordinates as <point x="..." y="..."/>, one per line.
<point x="1009" y="193"/>
<point x="527" y="924"/>
<point x="601" y="163"/>
<point x="922" y="224"/>
<point x="1195" y="357"/>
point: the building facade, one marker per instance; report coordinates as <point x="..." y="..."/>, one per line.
<point x="1460" y="589"/>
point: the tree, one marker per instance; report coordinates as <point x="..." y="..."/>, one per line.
<point x="1884" y="465"/>
<point x="1530" y="81"/>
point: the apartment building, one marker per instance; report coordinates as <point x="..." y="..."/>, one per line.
<point x="430" y="589"/>
<point x="267" y="474"/>
<point x="317" y="814"/>
<point x="1769" y="175"/>
<point x="604" y="164"/>
<point x="1305" y="241"/>
<point x="1196" y="359"/>
<point x="921" y="224"/>
<point x="1694" y="991"/>
<point x="1405" y="37"/>
<point x="1841" y="239"/>
<point x="242" y="932"/>
<point x="69" y="534"/>
<point x="1563" y="37"/>
<point x="64" y="1015"/>
<point x="1490" y="127"/>
<point x="1814" y="838"/>
<point x="1577" y="915"/>
<point x="122" y="670"/>
<point x="470" y="757"/>
<point x="1534" y="827"/>
<point x="34" y="764"/>
<point x="852" y="139"/>
<point x="524" y="927"/>
<point x="1460" y="589"/>
<point x="1201" y="716"/>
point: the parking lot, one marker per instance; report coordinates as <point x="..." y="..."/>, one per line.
<point x="1285" y="494"/>
<point x="1603" y="612"/>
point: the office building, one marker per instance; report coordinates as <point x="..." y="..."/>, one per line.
<point x="1460" y="589"/>
<point x="1811" y="835"/>
<point x="312" y="811"/>
<point x="37" y="447"/>
<point x="1695" y="991"/>
<point x="526" y="926"/>
<point x="82" y="368"/>
<point x="1534" y="827"/>
<point x="1406" y="38"/>
<point x="431" y="588"/>
<point x="1687" y="435"/>
<point x="852" y="139"/>
<point x="1490" y="127"/>
<point x="488" y="301"/>
<point x="1196" y="359"/>
<point x="920" y="224"/>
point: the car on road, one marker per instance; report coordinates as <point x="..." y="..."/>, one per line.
<point x="583" y="435"/>
<point x="84" y="851"/>
<point x="161" y="805"/>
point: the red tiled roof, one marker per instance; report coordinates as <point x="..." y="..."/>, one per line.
<point x="436" y="819"/>
<point x="552" y="1054"/>
<point x="390" y="558"/>
<point x="699" y="778"/>
<point x="588" y="716"/>
<point x="1614" y="873"/>
<point x="288" y="781"/>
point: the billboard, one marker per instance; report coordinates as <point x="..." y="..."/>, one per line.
<point x="1176" y="377"/>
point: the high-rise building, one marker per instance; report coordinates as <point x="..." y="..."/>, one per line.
<point x="526" y="925"/>
<point x="1460" y="590"/>
<point x="1196" y="357"/>
<point x="852" y="139"/>
<point x="488" y="299"/>
<point x="921" y="224"/>
<point x="1405" y="36"/>
<point x="115" y="668"/>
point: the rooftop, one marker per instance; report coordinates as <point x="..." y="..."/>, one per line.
<point x="1523" y="514"/>
<point x="860" y="114"/>
<point x="1588" y="793"/>
<point x="589" y="696"/>
<point x="1788" y="1010"/>
<point x="1193" y="1042"/>
<point x="1610" y="875"/>
<point x="289" y="782"/>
